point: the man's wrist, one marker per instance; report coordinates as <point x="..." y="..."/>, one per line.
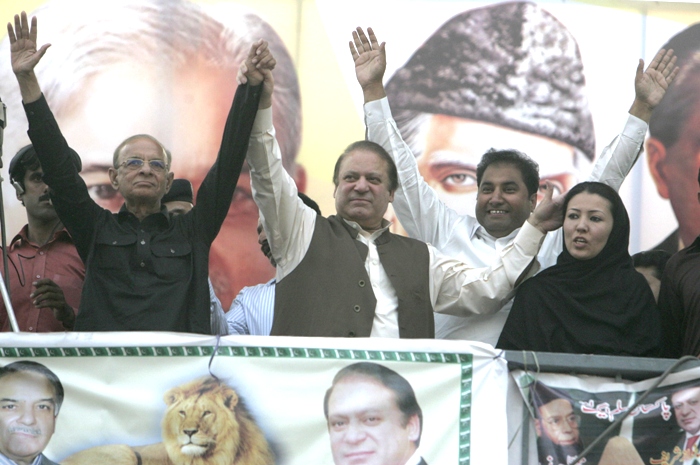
<point x="373" y="91"/>
<point x="641" y="110"/>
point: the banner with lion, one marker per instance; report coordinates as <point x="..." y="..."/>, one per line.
<point x="195" y="400"/>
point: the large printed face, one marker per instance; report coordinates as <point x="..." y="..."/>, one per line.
<point x="366" y="425"/>
<point x="186" y="111"/>
<point x="454" y="146"/>
<point x="686" y="406"/>
<point x="27" y="415"/>
<point x="558" y="423"/>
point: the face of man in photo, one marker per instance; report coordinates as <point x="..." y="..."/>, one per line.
<point x="675" y="172"/>
<point x="454" y="146"/>
<point x="27" y="415"/>
<point x="185" y="110"/>
<point x="558" y="423"/>
<point x="686" y="407"/>
<point x="366" y="426"/>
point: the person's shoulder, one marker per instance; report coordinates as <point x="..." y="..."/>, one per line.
<point x="46" y="461"/>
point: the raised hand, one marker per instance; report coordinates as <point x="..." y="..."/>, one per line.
<point x="549" y="214"/>
<point x="370" y="62"/>
<point x="23" y="52"/>
<point x="650" y="86"/>
<point x="257" y="68"/>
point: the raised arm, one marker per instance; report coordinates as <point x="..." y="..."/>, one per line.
<point x="25" y="56"/>
<point x="650" y="85"/>
<point x="417" y="205"/>
<point x="288" y="223"/>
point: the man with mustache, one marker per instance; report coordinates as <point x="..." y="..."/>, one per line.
<point x="46" y="273"/>
<point x="30" y="398"/>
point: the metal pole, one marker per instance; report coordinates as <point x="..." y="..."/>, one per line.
<point x="5" y="284"/>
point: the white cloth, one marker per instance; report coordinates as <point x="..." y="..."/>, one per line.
<point x="253" y="310"/>
<point x="427" y="218"/>
<point x="455" y="287"/>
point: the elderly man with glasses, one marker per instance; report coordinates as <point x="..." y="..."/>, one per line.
<point x="146" y="270"/>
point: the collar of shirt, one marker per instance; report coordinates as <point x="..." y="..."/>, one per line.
<point x="495" y="242"/>
<point x="6" y="461"/>
<point x="367" y="234"/>
<point x="125" y="215"/>
<point x="23" y="236"/>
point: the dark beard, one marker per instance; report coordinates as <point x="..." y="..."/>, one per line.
<point x="549" y="453"/>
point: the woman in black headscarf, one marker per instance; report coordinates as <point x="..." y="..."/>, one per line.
<point x="592" y="301"/>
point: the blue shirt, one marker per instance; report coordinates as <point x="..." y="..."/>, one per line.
<point x="252" y="310"/>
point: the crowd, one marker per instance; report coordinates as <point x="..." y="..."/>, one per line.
<point x="521" y="273"/>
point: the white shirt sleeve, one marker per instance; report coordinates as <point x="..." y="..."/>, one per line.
<point x="288" y="223"/>
<point x="417" y="205"/>
<point x="458" y="289"/>
<point x="617" y="159"/>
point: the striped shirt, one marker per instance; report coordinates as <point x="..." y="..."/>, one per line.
<point x="252" y="310"/>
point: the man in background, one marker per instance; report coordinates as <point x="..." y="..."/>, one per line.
<point x="673" y="152"/>
<point x="165" y="68"/>
<point x="46" y="272"/>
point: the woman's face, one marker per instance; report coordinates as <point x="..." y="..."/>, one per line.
<point x="587" y="224"/>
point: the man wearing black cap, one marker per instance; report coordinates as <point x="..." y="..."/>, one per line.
<point x="46" y="273"/>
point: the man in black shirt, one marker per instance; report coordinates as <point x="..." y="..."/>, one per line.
<point x="145" y="269"/>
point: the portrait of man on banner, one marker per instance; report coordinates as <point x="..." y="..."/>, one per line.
<point x="373" y="417"/>
<point x="167" y="69"/>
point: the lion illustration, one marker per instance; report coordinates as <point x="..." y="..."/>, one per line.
<point x="205" y="423"/>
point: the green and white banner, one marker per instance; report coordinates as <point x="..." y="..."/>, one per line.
<point x="201" y="397"/>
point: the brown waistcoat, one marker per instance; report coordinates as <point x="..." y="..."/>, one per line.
<point x="329" y="293"/>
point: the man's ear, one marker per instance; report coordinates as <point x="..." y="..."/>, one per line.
<point x="112" y="172"/>
<point x="533" y="202"/>
<point x="656" y="158"/>
<point x="169" y="181"/>
<point x="413" y="428"/>
<point x="299" y="177"/>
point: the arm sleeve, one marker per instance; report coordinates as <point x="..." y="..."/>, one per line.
<point x="216" y="192"/>
<point x="288" y="223"/>
<point x="458" y="289"/>
<point x="69" y="193"/>
<point x="417" y="205"/>
<point x="617" y="159"/>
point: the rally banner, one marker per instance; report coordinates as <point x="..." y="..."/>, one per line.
<point x="265" y="400"/>
<point x="567" y="413"/>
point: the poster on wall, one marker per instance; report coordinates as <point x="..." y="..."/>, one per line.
<point x="568" y="413"/>
<point x="189" y="399"/>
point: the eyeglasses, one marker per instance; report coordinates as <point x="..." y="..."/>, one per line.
<point x="133" y="164"/>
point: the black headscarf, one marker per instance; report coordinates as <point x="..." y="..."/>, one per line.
<point x="596" y="306"/>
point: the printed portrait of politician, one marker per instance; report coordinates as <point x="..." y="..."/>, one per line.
<point x="507" y="76"/>
<point x="167" y="69"/>
<point x="673" y="147"/>
<point x="30" y="399"/>
<point x="373" y="417"/>
<point x="686" y="410"/>
<point x="556" y="425"/>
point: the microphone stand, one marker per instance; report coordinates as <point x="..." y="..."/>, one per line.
<point x="5" y="284"/>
